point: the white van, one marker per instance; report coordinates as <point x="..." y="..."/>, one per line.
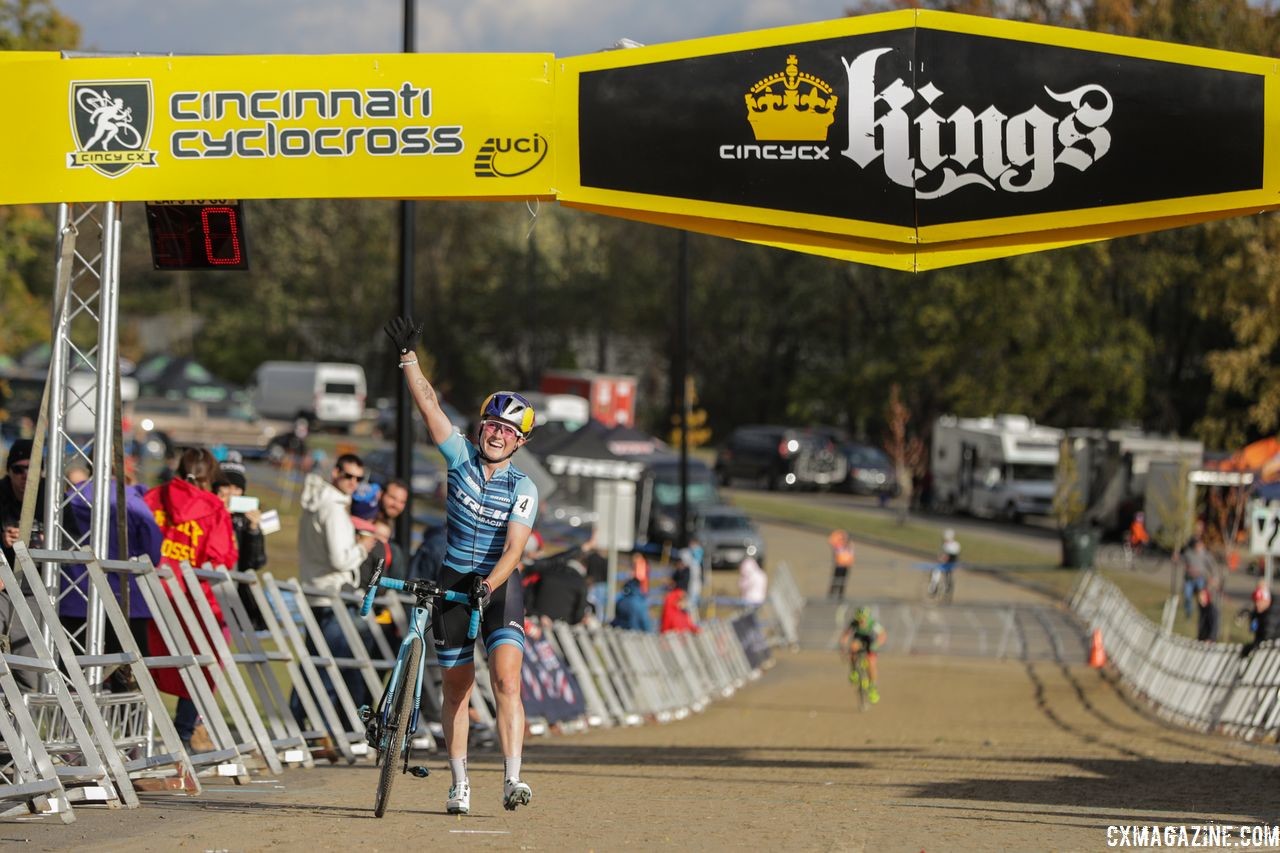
<point x="325" y="393"/>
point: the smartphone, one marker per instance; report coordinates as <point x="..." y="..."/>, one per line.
<point x="242" y="503"/>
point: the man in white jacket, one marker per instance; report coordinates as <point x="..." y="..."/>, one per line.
<point x="329" y="557"/>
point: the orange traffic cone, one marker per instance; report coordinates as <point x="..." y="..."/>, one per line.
<point x="1097" y="655"/>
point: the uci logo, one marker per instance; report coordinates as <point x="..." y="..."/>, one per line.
<point x="510" y="157"/>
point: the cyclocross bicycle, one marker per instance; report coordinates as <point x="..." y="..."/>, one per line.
<point x="860" y="675"/>
<point x="390" y="728"/>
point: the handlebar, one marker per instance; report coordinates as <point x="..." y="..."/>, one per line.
<point x="423" y="591"/>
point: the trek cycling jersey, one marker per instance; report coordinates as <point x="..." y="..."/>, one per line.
<point x="478" y="511"/>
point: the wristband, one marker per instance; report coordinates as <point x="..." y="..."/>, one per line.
<point x="403" y="364"/>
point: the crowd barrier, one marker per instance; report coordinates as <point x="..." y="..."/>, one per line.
<point x="272" y="694"/>
<point x="1205" y="686"/>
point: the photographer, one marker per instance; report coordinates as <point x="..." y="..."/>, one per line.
<point x="247" y="526"/>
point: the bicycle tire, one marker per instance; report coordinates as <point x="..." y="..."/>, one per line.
<point x="397" y="727"/>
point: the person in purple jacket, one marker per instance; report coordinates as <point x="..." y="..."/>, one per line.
<point x="144" y="540"/>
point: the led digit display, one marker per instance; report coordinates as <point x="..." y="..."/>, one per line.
<point x="204" y="234"/>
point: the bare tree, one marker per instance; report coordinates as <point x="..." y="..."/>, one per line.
<point x="906" y="451"/>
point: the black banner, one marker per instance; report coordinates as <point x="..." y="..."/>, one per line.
<point x="920" y="127"/>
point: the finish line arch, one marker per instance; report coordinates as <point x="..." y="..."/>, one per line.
<point x="900" y="139"/>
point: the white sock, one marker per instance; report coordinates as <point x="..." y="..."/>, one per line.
<point x="458" y="767"/>
<point x="511" y="767"/>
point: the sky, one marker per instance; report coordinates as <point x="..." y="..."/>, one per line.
<point x="562" y="27"/>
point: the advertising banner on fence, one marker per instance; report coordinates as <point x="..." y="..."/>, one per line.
<point x="550" y="690"/>
<point x="394" y="126"/>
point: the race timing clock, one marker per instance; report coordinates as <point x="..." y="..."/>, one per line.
<point x="200" y="234"/>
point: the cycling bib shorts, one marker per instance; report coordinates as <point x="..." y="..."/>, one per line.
<point x="502" y="623"/>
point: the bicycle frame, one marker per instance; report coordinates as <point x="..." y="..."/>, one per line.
<point x="424" y="593"/>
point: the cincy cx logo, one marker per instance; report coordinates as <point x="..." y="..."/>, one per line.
<point x="510" y="157"/>
<point x="790" y="113"/>
<point x="111" y="125"/>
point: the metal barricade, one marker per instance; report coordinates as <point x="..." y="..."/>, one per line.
<point x="1204" y="686"/>
<point x="133" y="731"/>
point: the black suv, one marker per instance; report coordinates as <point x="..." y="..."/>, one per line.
<point x="781" y="458"/>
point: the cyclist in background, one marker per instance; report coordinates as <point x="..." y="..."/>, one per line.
<point x="1139" y="538"/>
<point x="864" y="633"/>
<point x="943" y="578"/>
<point x="491" y="507"/>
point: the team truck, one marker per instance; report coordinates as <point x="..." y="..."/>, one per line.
<point x="994" y="467"/>
<point x="612" y="398"/>
<point x="326" y="394"/>
<point x="1112" y="468"/>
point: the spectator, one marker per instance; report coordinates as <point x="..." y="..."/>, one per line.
<point x="753" y="583"/>
<point x="1196" y="566"/>
<point x="561" y="592"/>
<point x="640" y="569"/>
<point x="144" y="539"/>
<point x="12" y="494"/>
<point x="1262" y="618"/>
<point x="250" y="541"/>
<point x="329" y="557"/>
<point x="632" y="609"/>
<point x="195" y="528"/>
<point x="842" y="557"/>
<point x="427" y="560"/>
<point x="391" y="505"/>
<point x="676" y="616"/>
<point x="1207" y="624"/>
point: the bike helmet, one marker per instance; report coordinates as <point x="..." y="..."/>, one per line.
<point x="508" y="407"/>
<point x="862" y="614"/>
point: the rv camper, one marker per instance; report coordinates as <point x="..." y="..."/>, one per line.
<point x="1112" y="471"/>
<point x="994" y="467"/>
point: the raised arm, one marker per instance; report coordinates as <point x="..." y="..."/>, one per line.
<point x="404" y="334"/>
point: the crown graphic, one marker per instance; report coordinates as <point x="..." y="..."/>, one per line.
<point x="791" y="105"/>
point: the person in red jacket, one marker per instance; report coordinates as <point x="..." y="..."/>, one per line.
<point x="676" y="605"/>
<point x="196" y="529"/>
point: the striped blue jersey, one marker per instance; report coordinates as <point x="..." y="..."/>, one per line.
<point x="478" y="511"/>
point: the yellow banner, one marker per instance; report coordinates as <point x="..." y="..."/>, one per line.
<point x="396" y="126"/>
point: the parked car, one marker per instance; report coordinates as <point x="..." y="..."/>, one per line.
<point x="161" y="424"/>
<point x="781" y="457"/>
<point x="871" y="471"/>
<point x="728" y="536"/>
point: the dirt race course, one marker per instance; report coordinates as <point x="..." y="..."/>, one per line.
<point x="961" y="754"/>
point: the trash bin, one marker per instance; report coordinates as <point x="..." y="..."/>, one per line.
<point x="1079" y="544"/>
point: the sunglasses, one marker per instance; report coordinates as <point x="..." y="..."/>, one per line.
<point x="347" y="475"/>
<point x="20" y="469"/>
<point x="505" y="430"/>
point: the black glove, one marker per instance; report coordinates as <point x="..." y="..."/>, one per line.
<point x="480" y="594"/>
<point x="403" y="333"/>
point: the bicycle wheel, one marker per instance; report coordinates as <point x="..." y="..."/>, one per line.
<point x="1111" y="557"/>
<point x="397" y="726"/>
<point x="863" y="682"/>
